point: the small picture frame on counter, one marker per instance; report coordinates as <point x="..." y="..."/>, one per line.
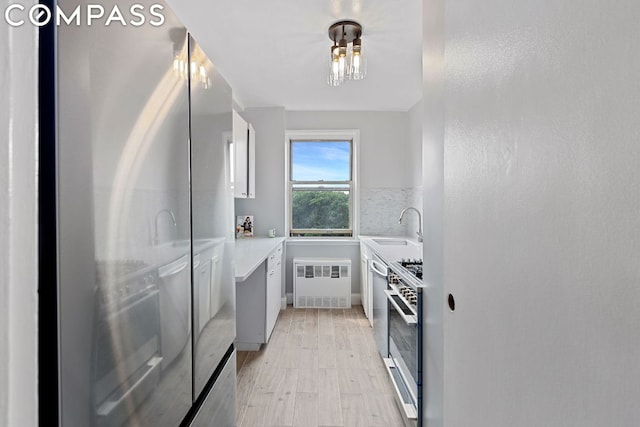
<point x="244" y="226"/>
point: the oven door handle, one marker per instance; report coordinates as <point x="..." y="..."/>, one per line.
<point x="409" y="320"/>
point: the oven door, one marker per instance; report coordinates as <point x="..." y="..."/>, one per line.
<point x="403" y="351"/>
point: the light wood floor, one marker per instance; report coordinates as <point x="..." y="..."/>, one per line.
<point x="320" y="368"/>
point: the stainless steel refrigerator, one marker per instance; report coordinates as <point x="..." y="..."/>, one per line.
<point x="144" y="218"/>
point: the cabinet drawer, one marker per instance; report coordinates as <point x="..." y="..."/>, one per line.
<point x="274" y="259"/>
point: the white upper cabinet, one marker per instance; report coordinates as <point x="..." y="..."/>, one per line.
<point x="244" y="158"/>
<point x="251" y="172"/>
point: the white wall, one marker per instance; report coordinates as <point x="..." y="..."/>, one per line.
<point x="18" y="239"/>
<point x="541" y="213"/>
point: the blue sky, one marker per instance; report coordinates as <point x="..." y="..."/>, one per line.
<point x="328" y="161"/>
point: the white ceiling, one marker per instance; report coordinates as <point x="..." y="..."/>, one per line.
<point x="276" y="52"/>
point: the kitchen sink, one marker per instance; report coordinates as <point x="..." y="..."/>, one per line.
<point x="391" y="242"/>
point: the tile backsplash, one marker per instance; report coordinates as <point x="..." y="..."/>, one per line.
<point x="380" y="209"/>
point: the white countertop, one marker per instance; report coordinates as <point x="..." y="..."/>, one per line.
<point x="251" y="252"/>
<point x="391" y="253"/>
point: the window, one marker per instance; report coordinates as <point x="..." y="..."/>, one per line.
<point x="321" y="187"/>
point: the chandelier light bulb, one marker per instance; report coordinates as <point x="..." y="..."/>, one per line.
<point x="342" y="67"/>
<point x="335" y="77"/>
<point x="358" y="63"/>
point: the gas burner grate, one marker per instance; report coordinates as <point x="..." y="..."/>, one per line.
<point x="413" y="266"/>
<point x="411" y="262"/>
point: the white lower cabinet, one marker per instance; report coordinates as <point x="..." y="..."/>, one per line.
<point x="274" y="288"/>
<point x="258" y="300"/>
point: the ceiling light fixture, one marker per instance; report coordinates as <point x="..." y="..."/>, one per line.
<point x="347" y="61"/>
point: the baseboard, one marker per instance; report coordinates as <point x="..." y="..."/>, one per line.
<point x="288" y="300"/>
<point x="355" y="299"/>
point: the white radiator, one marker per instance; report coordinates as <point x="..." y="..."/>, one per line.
<point x="322" y="283"/>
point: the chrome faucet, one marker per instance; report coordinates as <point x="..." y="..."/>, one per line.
<point x="156" y="238"/>
<point x="419" y="232"/>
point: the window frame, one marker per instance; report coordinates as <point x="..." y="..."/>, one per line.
<point x="349" y="135"/>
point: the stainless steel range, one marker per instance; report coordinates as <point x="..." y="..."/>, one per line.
<point x="404" y="364"/>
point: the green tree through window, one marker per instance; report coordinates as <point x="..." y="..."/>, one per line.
<point x="320" y="209"/>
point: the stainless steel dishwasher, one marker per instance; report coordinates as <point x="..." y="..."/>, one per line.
<point x="380" y="326"/>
